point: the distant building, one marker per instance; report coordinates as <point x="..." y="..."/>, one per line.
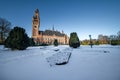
<point x="47" y="36"/>
<point x="87" y="42"/>
<point x="103" y="39"/>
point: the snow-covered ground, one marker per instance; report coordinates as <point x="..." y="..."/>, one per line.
<point x="97" y="63"/>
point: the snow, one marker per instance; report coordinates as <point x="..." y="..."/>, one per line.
<point x="59" y="58"/>
<point x="97" y="63"/>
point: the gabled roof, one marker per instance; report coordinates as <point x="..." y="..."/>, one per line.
<point x="51" y="33"/>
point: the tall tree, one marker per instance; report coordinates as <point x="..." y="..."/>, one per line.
<point x="5" y="27"/>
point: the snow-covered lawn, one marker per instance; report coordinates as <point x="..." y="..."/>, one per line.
<point x="97" y="63"/>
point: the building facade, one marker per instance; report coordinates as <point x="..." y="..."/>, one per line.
<point x="47" y="36"/>
<point x="103" y="39"/>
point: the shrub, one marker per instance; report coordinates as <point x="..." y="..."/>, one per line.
<point x="44" y="44"/>
<point x="17" y="39"/>
<point x="55" y="42"/>
<point x="32" y="43"/>
<point x="115" y="42"/>
<point x="74" y="40"/>
<point x="97" y="42"/>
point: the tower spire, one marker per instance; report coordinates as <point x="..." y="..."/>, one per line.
<point x="37" y="11"/>
<point x="35" y="23"/>
<point x="53" y="27"/>
<point x="62" y="32"/>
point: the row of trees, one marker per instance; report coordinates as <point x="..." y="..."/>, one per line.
<point x="87" y="42"/>
<point x="112" y="39"/>
<point x="115" y="39"/>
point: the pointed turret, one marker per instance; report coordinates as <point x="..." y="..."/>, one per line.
<point x="53" y="28"/>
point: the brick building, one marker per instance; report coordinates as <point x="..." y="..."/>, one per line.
<point x="47" y="36"/>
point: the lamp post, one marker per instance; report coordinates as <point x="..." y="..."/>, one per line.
<point x="90" y="41"/>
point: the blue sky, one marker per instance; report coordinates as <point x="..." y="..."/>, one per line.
<point x="82" y="16"/>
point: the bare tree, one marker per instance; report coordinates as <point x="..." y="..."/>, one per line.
<point x="5" y="27"/>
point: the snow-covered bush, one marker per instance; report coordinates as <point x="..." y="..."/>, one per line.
<point x="59" y="58"/>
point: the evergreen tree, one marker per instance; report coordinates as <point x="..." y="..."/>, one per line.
<point x="32" y="43"/>
<point x="74" y="40"/>
<point x="55" y="42"/>
<point x="17" y="39"/>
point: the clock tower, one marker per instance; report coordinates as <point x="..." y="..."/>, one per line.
<point x="35" y="24"/>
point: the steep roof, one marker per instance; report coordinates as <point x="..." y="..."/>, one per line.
<point x="51" y="33"/>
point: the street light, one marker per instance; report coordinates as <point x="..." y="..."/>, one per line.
<point x="90" y="41"/>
